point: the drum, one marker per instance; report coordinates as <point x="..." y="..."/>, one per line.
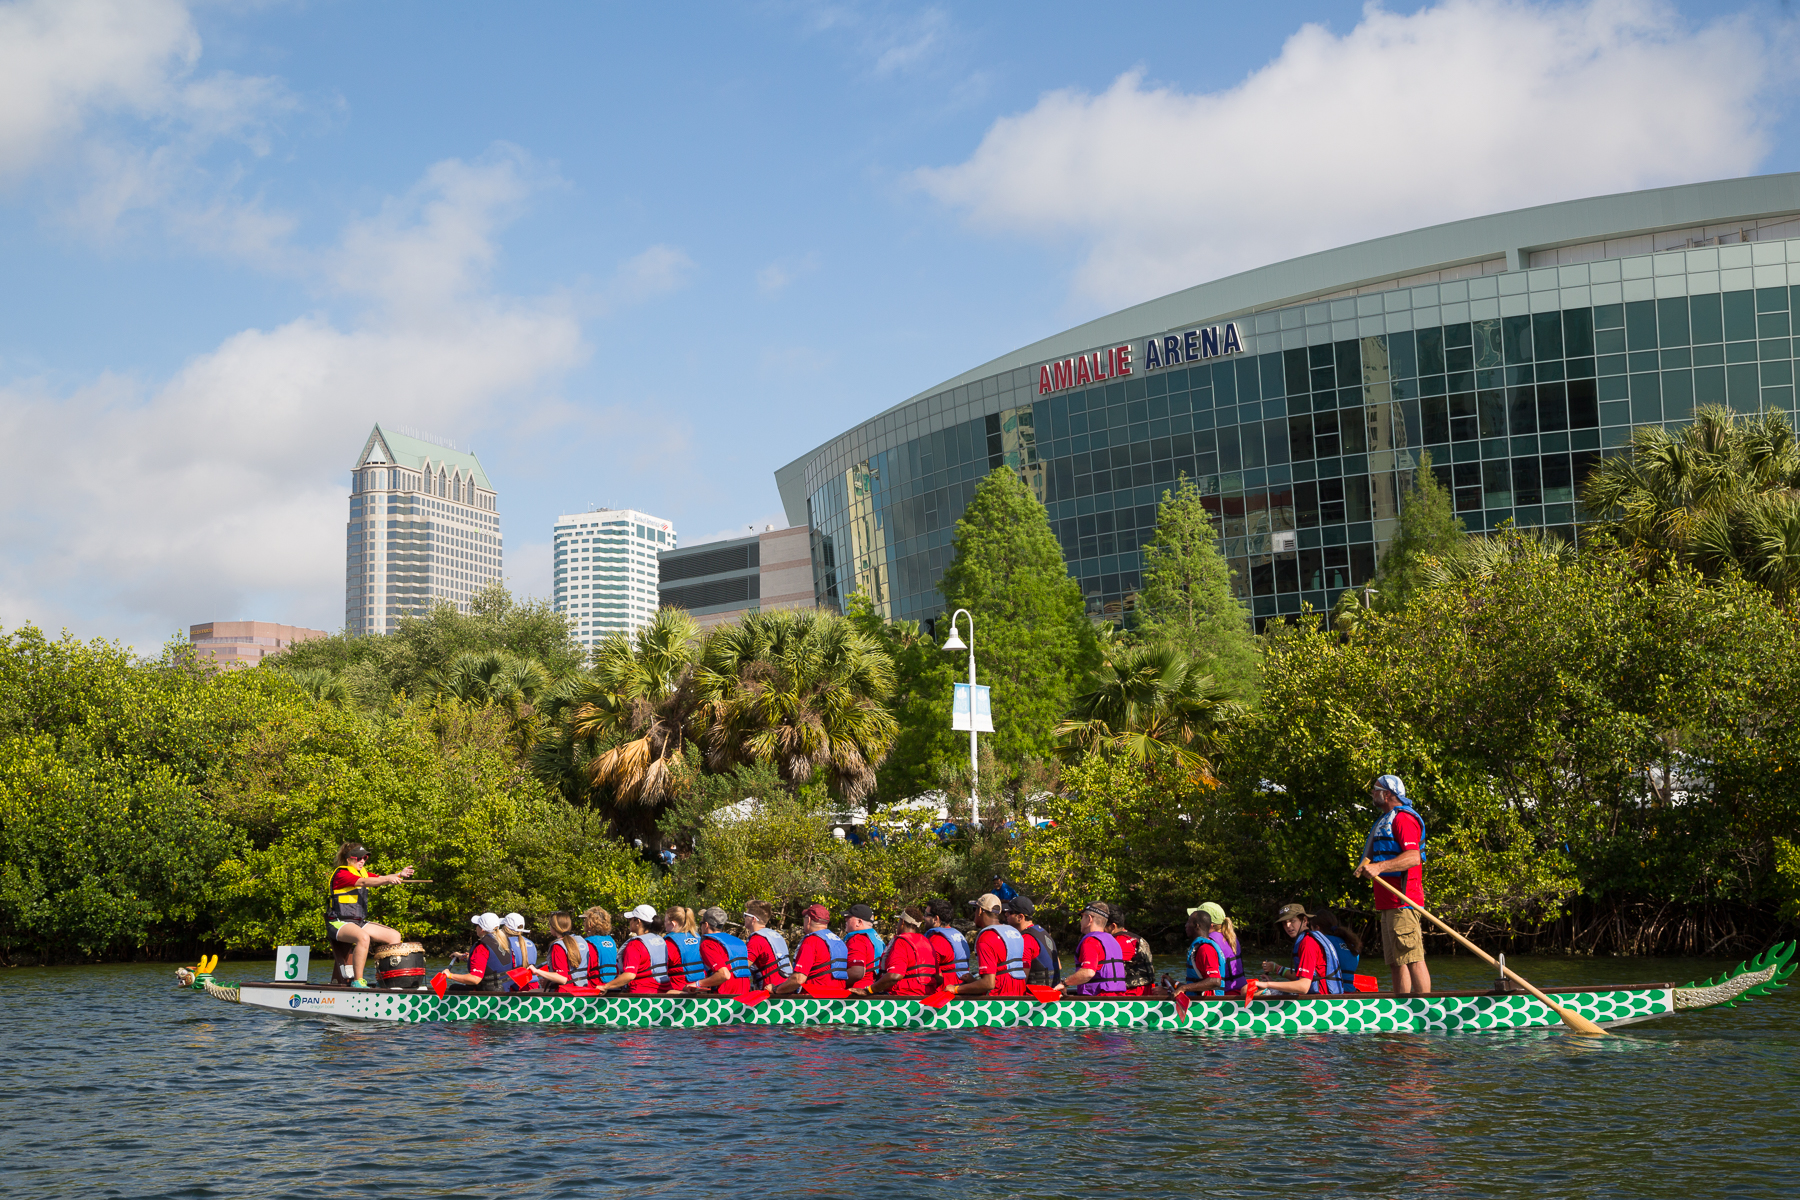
<point x="401" y="966"/>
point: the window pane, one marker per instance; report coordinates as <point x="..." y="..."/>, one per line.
<point x="1578" y="332"/>
<point x="1431" y="351"/>
<point x="1493" y="413"/>
<point x="1640" y="325"/>
<point x="1672" y="321"/>
<point x="1740" y="316"/>
<point x="1707" y="320"/>
<point x="1518" y="339"/>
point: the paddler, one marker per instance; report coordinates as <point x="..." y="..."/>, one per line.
<point x="947" y="941"/>
<point x="568" y="954"/>
<point x="866" y="946"/>
<point x="999" y="953"/>
<point x="725" y="956"/>
<point x="1099" y="961"/>
<point x="1395" y="851"/>
<point x="603" y="956"/>
<point x="769" y="961"/>
<point x="643" y="960"/>
<point x="489" y="958"/>
<point x="683" y="942"/>
<point x="1214" y="964"/>
<point x="821" y="954"/>
<point x="524" y="950"/>
<point x="1140" y="965"/>
<point x="1315" y="968"/>
<point x="347" y="906"/>
<point x="1045" y="966"/>
<point x="910" y="967"/>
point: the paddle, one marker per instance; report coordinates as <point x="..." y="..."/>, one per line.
<point x="752" y="999"/>
<point x="938" y="999"/>
<point x="1183" y="1001"/>
<point x="440" y="983"/>
<point x="521" y="976"/>
<point x="1042" y="994"/>
<point x="1573" y="1020"/>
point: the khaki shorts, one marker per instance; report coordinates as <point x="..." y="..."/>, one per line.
<point x="1401" y="941"/>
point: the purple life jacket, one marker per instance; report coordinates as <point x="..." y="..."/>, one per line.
<point x="1109" y="980"/>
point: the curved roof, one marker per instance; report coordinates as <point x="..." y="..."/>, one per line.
<point x="1514" y="235"/>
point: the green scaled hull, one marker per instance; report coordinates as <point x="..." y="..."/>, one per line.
<point x="1360" y="1013"/>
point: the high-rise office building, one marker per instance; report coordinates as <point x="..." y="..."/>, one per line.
<point x="424" y="526"/>
<point x="605" y="570"/>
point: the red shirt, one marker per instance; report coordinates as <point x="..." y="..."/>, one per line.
<point x="946" y="959"/>
<point x="1089" y="953"/>
<point x="862" y="953"/>
<point x="559" y="961"/>
<point x="763" y="962"/>
<point x="814" y="959"/>
<point x="990" y="959"/>
<point x="1312" y="961"/>
<point x="345" y="878"/>
<point x="908" y="951"/>
<point x="478" y="960"/>
<point x="633" y="957"/>
<point x="1205" y="961"/>
<point x="1408" y="832"/>
<point x="716" y="958"/>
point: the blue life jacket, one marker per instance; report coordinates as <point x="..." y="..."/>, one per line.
<point x="1347" y="962"/>
<point x="1381" y="844"/>
<point x="877" y="948"/>
<point x="659" y="955"/>
<point x="959" y="948"/>
<point x="500" y="961"/>
<point x="1109" y="979"/>
<point x="784" y="966"/>
<point x="524" y="954"/>
<point x="605" y="958"/>
<point x="737" y="954"/>
<point x="684" y="956"/>
<point x="1333" y="983"/>
<point x="834" y="946"/>
<point x="1014" y="961"/>
<point x="578" y="962"/>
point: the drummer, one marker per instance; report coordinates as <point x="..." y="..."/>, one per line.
<point x="347" y="906"/>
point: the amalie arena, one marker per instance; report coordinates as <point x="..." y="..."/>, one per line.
<point x="1516" y="349"/>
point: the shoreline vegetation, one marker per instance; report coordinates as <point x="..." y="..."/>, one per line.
<point x="1604" y="742"/>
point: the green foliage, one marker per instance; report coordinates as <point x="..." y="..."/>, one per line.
<point x="1187" y="601"/>
<point x="420" y="655"/>
<point x="1147" y="702"/>
<point x="1721" y="495"/>
<point x="1032" y="636"/>
<point x="1429" y="530"/>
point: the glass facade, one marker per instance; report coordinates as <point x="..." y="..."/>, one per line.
<point x="1516" y="383"/>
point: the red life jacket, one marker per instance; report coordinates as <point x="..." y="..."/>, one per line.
<point x="920" y="979"/>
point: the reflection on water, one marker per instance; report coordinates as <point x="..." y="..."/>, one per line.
<point x="122" y="1086"/>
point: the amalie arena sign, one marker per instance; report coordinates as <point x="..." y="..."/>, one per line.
<point x="1115" y="362"/>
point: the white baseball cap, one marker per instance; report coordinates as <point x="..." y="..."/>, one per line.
<point x="642" y="912"/>
<point x="515" y="921"/>
<point x="487" y="921"/>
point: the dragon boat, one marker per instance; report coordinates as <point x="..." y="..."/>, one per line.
<point x="1361" y="1012"/>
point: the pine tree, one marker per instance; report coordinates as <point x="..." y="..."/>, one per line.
<point x="1429" y="529"/>
<point x="1033" y="640"/>
<point x="1187" y="602"/>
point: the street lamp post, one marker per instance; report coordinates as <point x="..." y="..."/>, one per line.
<point x="956" y="643"/>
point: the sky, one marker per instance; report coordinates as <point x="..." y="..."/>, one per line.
<point x="643" y="255"/>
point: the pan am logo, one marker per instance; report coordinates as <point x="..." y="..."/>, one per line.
<point x="296" y="1000"/>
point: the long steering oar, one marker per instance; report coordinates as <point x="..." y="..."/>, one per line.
<point x="1573" y="1020"/>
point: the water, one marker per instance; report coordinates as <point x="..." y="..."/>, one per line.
<point x="120" y="1085"/>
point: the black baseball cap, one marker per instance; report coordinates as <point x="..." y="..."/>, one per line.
<point x="1021" y="905"/>
<point x="861" y="912"/>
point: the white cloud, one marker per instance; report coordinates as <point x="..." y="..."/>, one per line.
<point x="220" y="493"/>
<point x="1463" y="108"/>
<point x="655" y="272"/>
<point x="102" y="98"/>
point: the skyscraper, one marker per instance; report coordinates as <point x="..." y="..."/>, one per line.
<point x="605" y="570"/>
<point x="424" y="526"/>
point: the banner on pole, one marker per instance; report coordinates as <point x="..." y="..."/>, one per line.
<point x="981" y="719"/>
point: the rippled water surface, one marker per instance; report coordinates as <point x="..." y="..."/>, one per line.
<point x="120" y="1085"/>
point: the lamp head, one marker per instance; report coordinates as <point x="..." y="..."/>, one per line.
<point x="954" y="642"/>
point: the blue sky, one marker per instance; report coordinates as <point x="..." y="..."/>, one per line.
<point x="642" y="255"/>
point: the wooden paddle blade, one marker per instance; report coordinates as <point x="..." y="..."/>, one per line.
<point x="440" y="983"/>
<point x="1183" y="1001"/>
<point x="937" y="999"/>
<point x="752" y="999"/>
<point x="1042" y="994"/>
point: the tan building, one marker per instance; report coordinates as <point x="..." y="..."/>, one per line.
<point x="245" y="643"/>
<point x="721" y="581"/>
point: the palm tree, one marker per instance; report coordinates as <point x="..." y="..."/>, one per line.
<point x="803" y="691"/>
<point x="1721" y="495"/>
<point x="1147" y="703"/>
<point x="638" y="706"/>
<point x="1481" y="558"/>
<point x="322" y="685"/>
<point x="491" y="677"/>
